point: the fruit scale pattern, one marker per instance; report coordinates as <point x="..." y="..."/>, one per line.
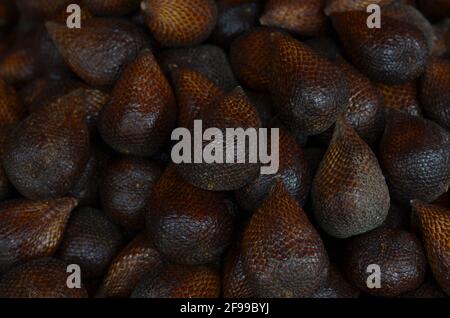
<point x="87" y="178"/>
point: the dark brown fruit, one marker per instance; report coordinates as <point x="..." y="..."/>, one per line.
<point x="112" y="7"/>
<point x="48" y="151"/>
<point x="209" y="60"/>
<point x="235" y="17"/>
<point x="140" y="116"/>
<point x="41" y="278"/>
<point x="435" y="91"/>
<point x="188" y="225"/>
<point x="442" y="43"/>
<point x="349" y="192"/>
<point x="234" y="280"/>
<point x="308" y="90"/>
<point x="180" y="22"/>
<point x="435" y="228"/>
<point x="98" y="51"/>
<point x="6" y="188"/>
<point x="11" y="108"/>
<point x="31" y="229"/>
<point x="18" y="65"/>
<point x="180" y="281"/>
<point x="334" y="6"/>
<point x="91" y="241"/>
<point x="263" y="104"/>
<point x="194" y="92"/>
<point x="415" y="157"/>
<point x="293" y="171"/>
<point x="126" y="188"/>
<point x="138" y="258"/>
<point x="393" y="54"/>
<point x="234" y="110"/>
<point x="402" y="97"/>
<point x="283" y="255"/>
<point x="336" y="286"/>
<point x="301" y="17"/>
<point x="398" y="253"/>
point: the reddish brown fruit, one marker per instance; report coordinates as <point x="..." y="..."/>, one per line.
<point x="112" y="7"/>
<point x="234" y="280"/>
<point x="435" y="228"/>
<point x="415" y="157"/>
<point x="41" y="278"/>
<point x="141" y="113"/>
<point x="304" y="17"/>
<point x="91" y="241"/>
<point x="394" y="54"/>
<point x="293" y="171"/>
<point x="180" y="281"/>
<point x="349" y="192"/>
<point x="31" y="229"/>
<point x="18" y="65"/>
<point x="398" y="253"/>
<point x="307" y="89"/>
<point x="137" y="259"/>
<point x="98" y="51"/>
<point x="11" y="108"/>
<point x="336" y="286"/>
<point x="232" y="111"/>
<point x="188" y="225"/>
<point x="126" y="188"/>
<point x="435" y="91"/>
<point x="180" y="22"/>
<point x="402" y="97"/>
<point x="283" y="255"/>
<point x="334" y="6"/>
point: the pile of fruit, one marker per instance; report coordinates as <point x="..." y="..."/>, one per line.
<point x="91" y="91"/>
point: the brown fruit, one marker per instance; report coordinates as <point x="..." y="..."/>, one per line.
<point x="188" y="225"/>
<point x="234" y="280"/>
<point x="40" y="278"/>
<point x="304" y="17"/>
<point x="180" y="22"/>
<point x="336" y="286"/>
<point x="398" y="253"/>
<point x="435" y="91"/>
<point x="293" y="171"/>
<point x="234" y="110"/>
<point x="283" y="254"/>
<point x="308" y="90"/>
<point x="18" y="65"/>
<point x="6" y="188"/>
<point x="349" y="192"/>
<point x="194" y="92"/>
<point x="435" y="228"/>
<point x="140" y="116"/>
<point x="402" y="97"/>
<point x="126" y="188"/>
<point x="442" y="43"/>
<point x="415" y="157"/>
<point x="393" y="54"/>
<point x="98" y="51"/>
<point x="112" y="7"/>
<point x="208" y="60"/>
<point x="31" y="229"/>
<point x="11" y="108"/>
<point x="138" y="258"/>
<point x="91" y="241"/>
<point x="48" y="151"/>
<point x="334" y="6"/>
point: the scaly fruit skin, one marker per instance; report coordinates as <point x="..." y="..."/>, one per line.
<point x="435" y="228"/>
<point x="141" y="114"/>
<point x="293" y="171"/>
<point x="180" y="22"/>
<point x="398" y="253"/>
<point x="112" y="7"/>
<point x="435" y="91"/>
<point x="11" y="107"/>
<point x="301" y="17"/>
<point x="188" y="225"/>
<point x="47" y="152"/>
<point x="40" y="278"/>
<point x="126" y="188"/>
<point x="31" y="229"/>
<point x="349" y="192"/>
<point x="308" y="90"/>
<point x="180" y="281"/>
<point x="91" y="241"/>
<point x="234" y="280"/>
<point x="138" y="258"/>
<point x="98" y="51"/>
<point x="334" y="6"/>
<point x="18" y="65"/>
<point x="402" y="97"/>
<point x="234" y="110"/>
<point x="336" y="286"/>
<point x="283" y="254"/>
<point x="415" y="157"/>
<point x="393" y="54"/>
